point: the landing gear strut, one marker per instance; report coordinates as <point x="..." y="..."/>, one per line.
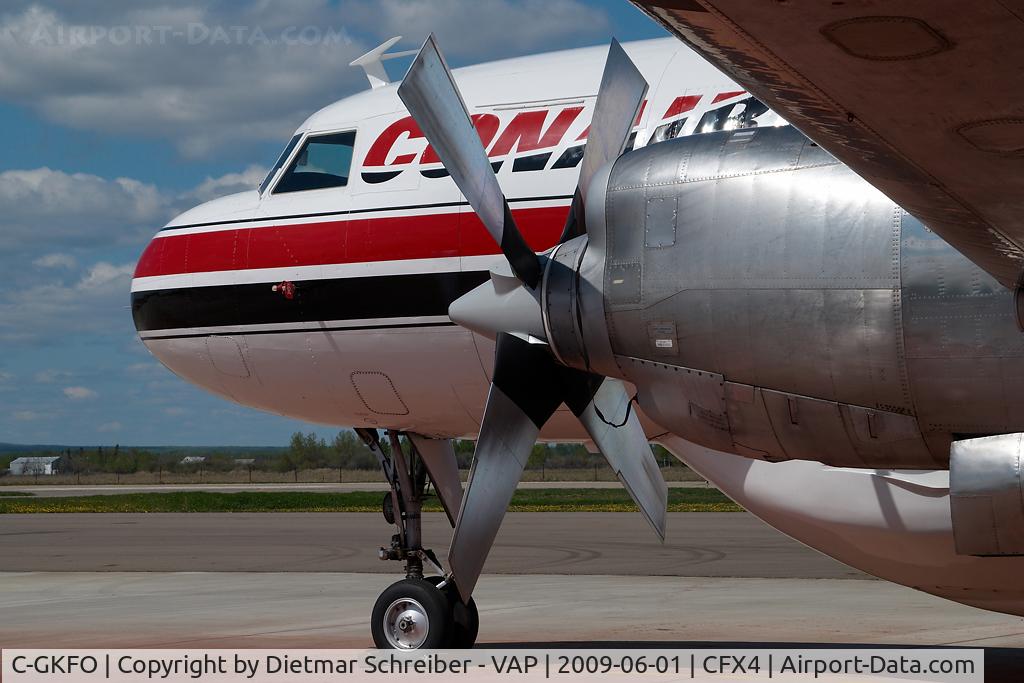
<point x="417" y="612"/>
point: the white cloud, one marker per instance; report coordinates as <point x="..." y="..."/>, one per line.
<point x="49" y="376"/>
<point x="56" y="261"/>
<point x="105" y="275"/>
<point x="97" y="301"/>
<point x="114" y="426"/>
<point x="43" y="207"/>
<point x="225" y="72"/>
<point x="46" y="313"/>
<point x="253" y="69"/>
<point x="143" y="368"/>
<point x="211" y="188"/>
<point x="79" y="393"/>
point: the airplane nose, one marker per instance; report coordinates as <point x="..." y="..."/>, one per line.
<point x="172" y="322"/>
<point x="142" y="281"/>
<point x="203" y="239"/>
<point x="169" y="317"/>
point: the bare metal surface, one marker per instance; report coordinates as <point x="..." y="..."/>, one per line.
<point x="430" y="93"/>
<point x="797" y="313"/>
<point x="618" y="102"/>
<point x="439" y="457"/>
<point x="561" y="303"/>
<point x="782" y="274"/>
<point x="962" y="340"/>
<point x="507" y="436"/>
<point x="501" y="304"/>
<point x="615" y="428"/>
<point x="923" y="126"/>
<point x="688" y="402"/>
<point x="697" y="544"/>
<point x="987" y="495"/>
<point x="594" y="339"/>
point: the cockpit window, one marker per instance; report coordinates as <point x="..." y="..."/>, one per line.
<point x="324" y="161"/>
<point x="280" y="162"/>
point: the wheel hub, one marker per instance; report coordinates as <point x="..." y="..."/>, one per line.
<point x="406" y="624"/>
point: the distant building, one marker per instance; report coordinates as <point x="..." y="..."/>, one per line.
<point x="245" y="462"/>
<point x="35" y="465"/>
<point x="193" y="460"/>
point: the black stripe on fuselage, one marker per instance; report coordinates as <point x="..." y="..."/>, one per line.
<point x="354" y="298"/>
<point x="324" y="214"/>
<point x="301" y="330"/>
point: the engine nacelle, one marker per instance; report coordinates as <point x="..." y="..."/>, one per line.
<point x="748" y="284"/>
<point x="986" y="490"/>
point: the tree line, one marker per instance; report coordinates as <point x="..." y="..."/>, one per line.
<point x="305" y="451"/>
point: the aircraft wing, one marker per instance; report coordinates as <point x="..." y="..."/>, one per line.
<point x="922" y="98"/>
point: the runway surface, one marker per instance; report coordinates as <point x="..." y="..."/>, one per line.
<point x="698" y="544"/>
<point x="578" y="579"/>
<point x="252" y="610"/>
<point x="46" y="491"/>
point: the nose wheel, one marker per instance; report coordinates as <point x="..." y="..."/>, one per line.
<point x="414" y="614"/>
<point x="417" y="612"/>
<point x="410" y="615"/>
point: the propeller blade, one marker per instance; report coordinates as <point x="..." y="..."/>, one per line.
<point x="619" y="99"/>
<point x="627" y="450"/>
<point x="439" y="457"/>
<point x="618" y="102"/>
<point x="525" y="392"/>
<point x="529" y="383"/>
<point x="429" y="92"/>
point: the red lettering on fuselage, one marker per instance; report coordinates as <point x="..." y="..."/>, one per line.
<point x="636" y="122"/>
<point x="486" y="127"/>
<point x="681" y="105"/>
<point x="524" y="131"/>
<point x="382" y="146"/>
<point x="720" y="97"/>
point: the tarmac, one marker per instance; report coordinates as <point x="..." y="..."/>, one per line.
<point x="320" y="610"/>
<point x="578" y="579"/>
<point x="716" y="544"/>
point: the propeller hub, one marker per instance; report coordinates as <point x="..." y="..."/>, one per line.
<point x="502" y="304"/>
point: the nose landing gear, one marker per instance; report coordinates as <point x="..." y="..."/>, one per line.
<point x="417" y="612"/>
<point x="410" y="615"/>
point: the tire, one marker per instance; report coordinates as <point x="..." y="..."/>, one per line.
<point x="412" y="601"/>
<point x="464" y="624"/>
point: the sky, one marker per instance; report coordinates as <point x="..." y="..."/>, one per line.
<point x="116" y="115"/>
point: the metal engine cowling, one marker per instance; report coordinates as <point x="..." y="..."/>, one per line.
<point x="986" y="492"/>
<point x="748" y="284"/>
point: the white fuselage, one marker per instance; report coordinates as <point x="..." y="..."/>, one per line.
<point x="330" y="305"/>
<point x="388" y="255"/>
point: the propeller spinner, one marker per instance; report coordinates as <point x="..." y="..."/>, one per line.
<point x="529" y="382"/>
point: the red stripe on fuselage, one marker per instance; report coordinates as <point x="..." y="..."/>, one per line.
<point x="343" y="241"/>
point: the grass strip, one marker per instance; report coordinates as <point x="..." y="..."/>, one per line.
<point x="15" y="494"/>
<point x="525" y="500"/>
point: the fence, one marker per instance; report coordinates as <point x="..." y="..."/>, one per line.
<point x="254" y="476"/>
